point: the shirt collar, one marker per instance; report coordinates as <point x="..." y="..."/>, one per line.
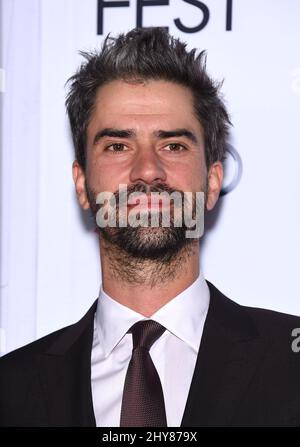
<point x="183" y="316"/>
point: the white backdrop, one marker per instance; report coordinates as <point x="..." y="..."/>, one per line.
<point x="50" y="269"/>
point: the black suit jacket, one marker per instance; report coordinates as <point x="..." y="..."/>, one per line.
<point x="246" y="373"/>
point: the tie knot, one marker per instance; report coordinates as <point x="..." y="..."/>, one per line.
<point x="145" y="333"/>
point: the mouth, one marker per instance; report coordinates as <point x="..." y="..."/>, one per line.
<point x="152" y="204"/>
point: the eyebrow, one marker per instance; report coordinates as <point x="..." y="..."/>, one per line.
<point x="129" y="133"/>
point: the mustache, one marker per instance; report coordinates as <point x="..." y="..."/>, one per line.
<point x="139" y="187"/>
<point x="146" y="189"/>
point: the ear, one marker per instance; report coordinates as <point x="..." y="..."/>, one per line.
<point x="215" y="180"/>
<point x="79" y="180"/>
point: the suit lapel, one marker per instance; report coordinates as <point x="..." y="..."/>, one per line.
<point x="229" y="354"/>
<point x="65" y="374"/>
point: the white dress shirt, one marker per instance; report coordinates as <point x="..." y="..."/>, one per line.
<point x="174" y="354"/>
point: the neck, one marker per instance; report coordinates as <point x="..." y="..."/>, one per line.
<point x="145" y="285"/>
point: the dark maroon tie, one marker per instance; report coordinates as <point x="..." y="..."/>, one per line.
<point x="143" y="400"/>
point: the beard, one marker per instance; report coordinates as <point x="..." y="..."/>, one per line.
<point x="157" y="243"/>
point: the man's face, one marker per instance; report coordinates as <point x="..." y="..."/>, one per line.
<point x="144" y="135"/>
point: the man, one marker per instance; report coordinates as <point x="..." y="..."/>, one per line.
<point x="161" y="346"/>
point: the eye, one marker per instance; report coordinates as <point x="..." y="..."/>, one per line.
<point x="115" y="147"/>
<point x="176" y="147"/>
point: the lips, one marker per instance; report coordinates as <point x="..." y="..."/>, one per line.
<point x="153" y="204"/>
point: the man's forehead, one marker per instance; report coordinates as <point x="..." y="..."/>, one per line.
<point x="123" y="109"/>
<point x="153" y="94"/>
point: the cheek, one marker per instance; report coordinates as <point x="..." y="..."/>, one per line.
<point x="188" y="177"/>
<point x="105" y="176"/>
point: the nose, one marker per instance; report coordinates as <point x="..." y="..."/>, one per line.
<point x="147" y="167"/>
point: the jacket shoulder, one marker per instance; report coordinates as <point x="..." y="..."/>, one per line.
<point x="273" y="324"/>
<point x="62" y="337"/>
<point x="24" y="353"/>
<point x="268" y="324"/>
<point x="21" y="385"/>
